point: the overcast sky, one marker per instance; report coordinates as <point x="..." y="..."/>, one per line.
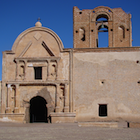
<point x="19" y="15"/>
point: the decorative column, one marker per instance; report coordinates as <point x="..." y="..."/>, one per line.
<point x="7" y="110"/>
<point x="48" y="70"/>
<point x="56" y="69"/>
<point x="66" y="105"/>
<point x="17" y="69"/>
<point x="57" y="102"/>
<point x="11" y="98"/>
<point x="45" y="72"/>
<point x="25" y="69"/>
<point x="16" y="99"/>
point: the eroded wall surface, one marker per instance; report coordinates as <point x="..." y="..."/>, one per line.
<point x="109" y="78"/>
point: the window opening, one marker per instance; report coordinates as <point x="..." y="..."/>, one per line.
<point x="128" y="125"/>
<point x="121" y="32"/>
<point x="82" y="34"/>
<point x="38" y="72"/>
<point x="103" y="110"/>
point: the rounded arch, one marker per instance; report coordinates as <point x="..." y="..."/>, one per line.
<point x="99" y="14"/>
<point x="13" y="86"/>
<point x="105" y="7"/>
<point x="123" y="25"/>
<point x="102" y="16"/>
<point x="43" y="93"/>
<point x="44" y="29"/>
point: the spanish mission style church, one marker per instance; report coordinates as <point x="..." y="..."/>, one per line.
<point x="44" y="82"/>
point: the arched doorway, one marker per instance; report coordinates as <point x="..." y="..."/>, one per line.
<point x="38" y="109"/>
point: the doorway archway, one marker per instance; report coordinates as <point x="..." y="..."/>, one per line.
<point x="38" y="109"/>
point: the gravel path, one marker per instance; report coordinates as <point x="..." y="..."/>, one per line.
<point x="68" y="131"/>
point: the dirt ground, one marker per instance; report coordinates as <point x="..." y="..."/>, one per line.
<point x="67" y="131"/>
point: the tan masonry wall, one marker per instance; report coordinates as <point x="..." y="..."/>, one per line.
<point x="109" y="78"/>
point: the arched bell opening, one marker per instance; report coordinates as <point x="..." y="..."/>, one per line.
<point x="102" y="29"/>
<point x="38" y="110"/>
<point x="102" y="36"/>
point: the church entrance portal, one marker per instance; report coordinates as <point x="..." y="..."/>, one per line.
<point x="38" y="109"/>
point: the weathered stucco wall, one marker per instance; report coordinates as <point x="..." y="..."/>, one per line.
<point x="106" y="78"/>
<point x="35" y="48"/>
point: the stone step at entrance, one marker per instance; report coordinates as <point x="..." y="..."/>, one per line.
<point x="103" y="124"/>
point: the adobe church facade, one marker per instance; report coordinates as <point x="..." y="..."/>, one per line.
<point x="44" y="82"/>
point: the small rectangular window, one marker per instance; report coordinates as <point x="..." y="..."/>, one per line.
<point x="38" y="73"/>
<point x="102" y="110"/>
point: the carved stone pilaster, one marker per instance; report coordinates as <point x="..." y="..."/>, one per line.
<point x="57" y="108"/>
<point x="66" y="106"/>
<point x="48" y="70"/>
<point x="25" y="69"/>
<point x="17" y="69"/>
<point x="16" y="99"/>
<point x="7" y="110"/>
<point x="56" y="70"/>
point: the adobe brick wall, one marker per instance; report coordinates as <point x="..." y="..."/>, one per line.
<point x="85" y="23"/>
